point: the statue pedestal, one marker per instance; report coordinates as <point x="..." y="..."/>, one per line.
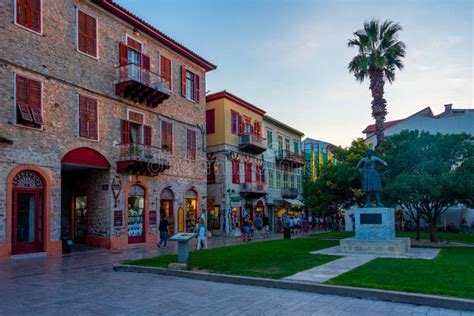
<point x="375" y="233"/>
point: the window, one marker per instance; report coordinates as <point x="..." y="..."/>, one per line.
<point x="292" y="181"/>
<point x="248" y="171"/>
<point x="278" y="180"/>
<point x="190" y="85"/>
<point x="236" y="120"/>
<point x="287" y="144"/>
<point x="167" y="136"/>
<point x="296" y="146"/>
<point x="210" y="121"/>
<point x="271" y="179"/>
<point x="236" y="171"/>
<point x="298" y="183"/>
<point x="88" y="118"/>
<point x="134" y="131"/>
<point x="269" y="139"/>
<point x="247" y="126"/>
<point x="28" y="102"/>
<point x="86" y="34"/>
<point x="285" y="180"/>
<point x="280" y="142"/>
<point x="165" y="69"/>
<point x="191" y="145"/>
<point x="28" y="14"/>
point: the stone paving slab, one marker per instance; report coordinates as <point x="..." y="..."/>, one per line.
<point x="413" y="253"/>
<point x="331" y="269"/>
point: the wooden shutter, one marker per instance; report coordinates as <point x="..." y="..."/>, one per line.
<point x="197" y="89"/>
<point x="134" y="44"/>
<point x="35" y="15"/>
<point x="147" y="135"/>
<point x="83" y="117"/>
<point x="210" y="121"/>
<point x="183" y="81"/>
<point x="35" y="101"/>
<point x="92" y="118"/>
<point x="146" y="62"/>
<point x="123" y="54"/>
<point x="240" y="126"/>
<point x="167" y="135"/>
<point x="21" y="12"/>
<point x="248" y="171"/>
<point x="165" y="67"/>
<point x="82" y="32"/>
<point x="91" y="36"/>
<point x="125" y="131"/>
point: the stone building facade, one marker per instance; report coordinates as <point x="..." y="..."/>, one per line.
<point x="102" y="127"/>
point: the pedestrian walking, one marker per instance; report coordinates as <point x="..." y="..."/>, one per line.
<point x="246" y="230"/>
<point x="259" y="224"/>
<point x="201" y="233"/>
<point x="266" y="227"/>
<point x="237" y="232"/>
<point x="163" y="228"/>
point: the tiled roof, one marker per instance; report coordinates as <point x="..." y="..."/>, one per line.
<point x="122" y="13"/>
<point x="229" y="96"/>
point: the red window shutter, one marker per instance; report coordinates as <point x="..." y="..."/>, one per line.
<point x="125" y="131"/>
<point x="92" y="118"/>
<point x="35" y="15"/>
<point x="91" y="36"/>
<point x="183" y="81"/>
<point x="188" y="144"/>
<point x="134" y="44"/>
<point x="235" y="171"/>
<point x="233" y="123"/>
<point x="21" y="12"/>
<point x="146" y="62"/>
<point x="248" y="172"/>
<point x="82" y="32"/>
<point x="240" y="125"/>
<point x="83" y="117"/>
<point x="123" y="51"/>
<point x="197" y="90"/>
<point x="147" y="135"/>
<point x="22" y="99"/>
<point x="167" y="135"/>
<point x="35" y="101"/>
<point x="210" y="121"/>
<point x="165" y="68"/>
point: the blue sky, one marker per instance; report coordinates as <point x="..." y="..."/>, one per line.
<point x="290" y="56"/>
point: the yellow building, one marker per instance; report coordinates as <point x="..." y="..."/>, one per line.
<point x="236" y="174"/>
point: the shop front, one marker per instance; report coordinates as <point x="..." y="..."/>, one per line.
<point x="166" y="209"/>
<point x="191" y="210"/>
<point x="136" y="214"/>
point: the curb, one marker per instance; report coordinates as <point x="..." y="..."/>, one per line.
<point x="365" y="293"/>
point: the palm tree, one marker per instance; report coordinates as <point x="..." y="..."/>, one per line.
<point x="380" y="54"/>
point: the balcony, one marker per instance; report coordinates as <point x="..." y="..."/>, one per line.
<point x="289" y="193"/>
<point x="291" y="159"/>
<point x="253" y="189"/>
<point x="139" y="159"/>
<point x="142" y="86"/>
<point x="252" y="144"/>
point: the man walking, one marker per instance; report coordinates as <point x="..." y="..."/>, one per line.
<point x="163" y="228"/>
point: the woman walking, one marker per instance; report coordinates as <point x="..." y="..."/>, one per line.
<point x="201" y="235"/>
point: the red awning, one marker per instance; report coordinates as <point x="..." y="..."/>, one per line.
<point x="86" y="157"/>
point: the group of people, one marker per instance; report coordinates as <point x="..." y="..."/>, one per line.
<point x="300" y="224"/>
<point x="252" y="228"/>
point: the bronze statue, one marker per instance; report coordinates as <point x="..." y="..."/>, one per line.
<point x="370" y="180"/>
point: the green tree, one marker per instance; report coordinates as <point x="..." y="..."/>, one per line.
<point x="428" y="173"/>
<point x="380" y="54"/>
<point x="337" y="184"/>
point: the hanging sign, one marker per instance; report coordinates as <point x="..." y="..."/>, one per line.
<point x="116" y="188"/>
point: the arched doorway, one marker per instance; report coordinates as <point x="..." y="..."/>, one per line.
<point x="28" y="213"/>
<point x="82" y="169"/>
<point x="136" y="214"/>
<point x="166" y="208"/>
<point x="191" y="210"/>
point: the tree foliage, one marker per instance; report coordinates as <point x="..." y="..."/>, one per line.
<point x="428" y="173"/>
<point x="337" y="184"/>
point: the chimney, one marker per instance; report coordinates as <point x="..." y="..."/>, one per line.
<point x="448" y="108"/>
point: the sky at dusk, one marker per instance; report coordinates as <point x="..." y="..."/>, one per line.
<point x="290" y="57"/>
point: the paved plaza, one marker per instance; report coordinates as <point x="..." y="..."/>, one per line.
<point x="84" y="283"/>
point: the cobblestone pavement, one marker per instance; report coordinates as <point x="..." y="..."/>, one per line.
<point x="85" y="284"/>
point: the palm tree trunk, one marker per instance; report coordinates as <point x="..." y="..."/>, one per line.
<point x="379" y="106"/>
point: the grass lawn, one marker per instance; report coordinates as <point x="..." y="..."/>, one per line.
<point x="441" y="236"/>
<point x="271" y="259"/>
<point x="451" y="273"/>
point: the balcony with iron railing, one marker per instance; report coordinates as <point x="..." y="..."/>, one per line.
<point x="289" y="158"/>
<point x="289" y="193"/>
<point x="140" y="85"/>
<point x="253" y="189"/>
<point x="140" y="159"/>
<point x="252" y="143"/>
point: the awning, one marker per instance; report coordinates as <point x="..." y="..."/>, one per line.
<point x="294" y="202"/>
